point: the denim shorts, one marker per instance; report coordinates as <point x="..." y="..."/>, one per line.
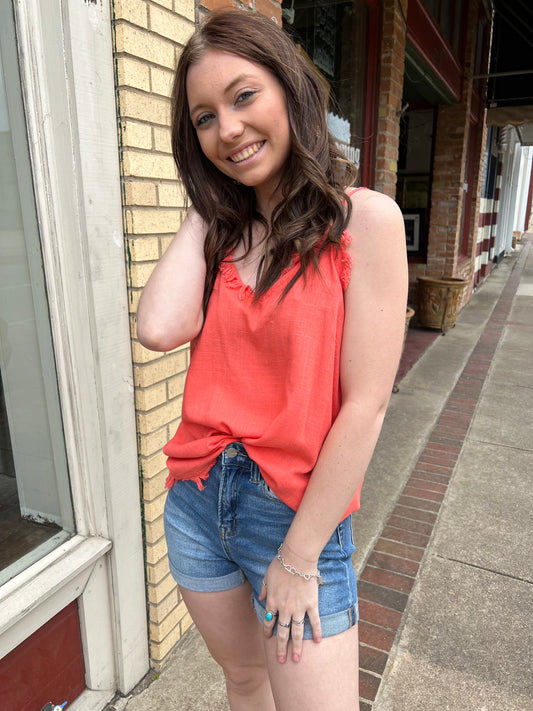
<point x="230" y="531"/>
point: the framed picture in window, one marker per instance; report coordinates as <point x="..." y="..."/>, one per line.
<point x="414" y="225"/>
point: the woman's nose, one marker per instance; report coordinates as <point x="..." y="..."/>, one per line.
<point x="230" y="126"/>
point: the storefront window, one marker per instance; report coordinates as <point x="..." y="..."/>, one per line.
<point x="35" y="502"/>
<point x="413" y="189"/>
<point x="333" y="35"/>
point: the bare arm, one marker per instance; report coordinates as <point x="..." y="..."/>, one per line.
<point x="374" y="325"/>
<point x="170" y="309"/>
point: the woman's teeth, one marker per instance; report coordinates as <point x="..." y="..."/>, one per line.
<point x="246" y="153"/>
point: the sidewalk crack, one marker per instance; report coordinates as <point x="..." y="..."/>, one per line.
<point x="488" y="570"/>
<point x="492" y="443"/>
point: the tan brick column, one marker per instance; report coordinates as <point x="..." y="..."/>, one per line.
<point x="148" y="35"/>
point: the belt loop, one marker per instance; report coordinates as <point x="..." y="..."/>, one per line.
<point x="255" y="474"/>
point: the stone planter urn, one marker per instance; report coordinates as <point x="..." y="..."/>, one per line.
<point x="439" y="300"/>
<point x="408" y="316"/>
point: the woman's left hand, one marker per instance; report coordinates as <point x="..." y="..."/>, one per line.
<point x="289" y="598"/>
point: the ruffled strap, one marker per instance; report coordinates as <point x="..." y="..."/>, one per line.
<point x="344" y="260"/>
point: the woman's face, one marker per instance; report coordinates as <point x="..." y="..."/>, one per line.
<point x="239" y="111"/>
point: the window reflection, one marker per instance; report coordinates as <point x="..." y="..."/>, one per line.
<point x="35" y="504"/>
<point x="334" y="36"/>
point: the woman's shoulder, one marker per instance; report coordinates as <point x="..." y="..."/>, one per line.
<point x="373" y="213"/>
<point x="370" y="202"/>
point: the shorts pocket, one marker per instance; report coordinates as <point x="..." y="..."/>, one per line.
<point x="267" y="491"/>
<point x="345" y="537"/>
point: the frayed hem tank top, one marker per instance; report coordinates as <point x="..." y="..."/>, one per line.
<point x="266" y="373"/>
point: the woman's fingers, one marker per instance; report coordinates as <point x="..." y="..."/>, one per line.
<point x="283" y="633"/>
<point x="314" y="619"/>
<point x="297" y="635"/>
<point x="269" y="621"/>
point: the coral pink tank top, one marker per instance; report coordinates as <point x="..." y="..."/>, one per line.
<point x="266" y="373"/>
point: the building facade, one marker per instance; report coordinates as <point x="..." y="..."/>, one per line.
<point x="90" y="201"/>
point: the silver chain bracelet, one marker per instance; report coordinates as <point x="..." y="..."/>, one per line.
<point x="292" y="570"/>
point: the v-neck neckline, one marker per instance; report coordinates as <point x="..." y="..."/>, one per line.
<point x="233" y="279"/>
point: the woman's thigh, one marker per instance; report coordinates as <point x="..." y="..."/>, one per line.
<point x="325" y="679"/>
<point x="227" y="622"/>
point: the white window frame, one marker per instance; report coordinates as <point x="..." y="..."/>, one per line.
<point x="66" y="65"/>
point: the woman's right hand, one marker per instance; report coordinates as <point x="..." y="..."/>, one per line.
<point x="291" y="599"/>
<point x="170" y="309"/>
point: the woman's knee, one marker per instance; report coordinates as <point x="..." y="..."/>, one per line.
<point x="245" y="679"/>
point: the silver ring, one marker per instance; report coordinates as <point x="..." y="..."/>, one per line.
<point x="283" y="624"/>
<point x="263" y="583"/>
<point x="298" y="622"/>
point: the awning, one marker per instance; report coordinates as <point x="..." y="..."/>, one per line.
<point x="505" y="115"/>
<point x="511" y="67"/>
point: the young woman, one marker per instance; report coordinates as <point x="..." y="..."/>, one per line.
<point x="292" y="291"/>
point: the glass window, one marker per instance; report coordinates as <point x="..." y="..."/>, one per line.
<point x="413" y="189"/>
<point x="433" y="7"/>
<point x="35" y="501"/>
<point x="446" y="19"/>
<point x="334" y="36"/>
<point x="456" y="38"/>
<point x="447" y="14"/>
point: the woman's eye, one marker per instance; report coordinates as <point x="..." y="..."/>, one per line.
<point x="203" y="119"/>
<point x="244" y="96"/>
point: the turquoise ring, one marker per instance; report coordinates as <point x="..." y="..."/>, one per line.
<point x="269" y="616"/>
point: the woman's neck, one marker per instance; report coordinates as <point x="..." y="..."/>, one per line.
<point x="266" y="203"/>
<point x="250" y="258"/>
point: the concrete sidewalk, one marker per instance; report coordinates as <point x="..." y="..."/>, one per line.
<point x="445" y="572"/>
<point x="466" y="639"/>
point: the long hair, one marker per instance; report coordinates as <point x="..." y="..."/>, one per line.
<point x="313" y="210"/>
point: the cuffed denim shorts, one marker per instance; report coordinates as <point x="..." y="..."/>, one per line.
<point x="230" y="531"/>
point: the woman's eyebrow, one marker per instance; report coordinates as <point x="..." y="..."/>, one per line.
<point x="227" y="90"/>
<point x="237" y="80"/>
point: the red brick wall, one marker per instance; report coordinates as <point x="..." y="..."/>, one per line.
<point x="391" y="73"/>
<point x="446" y="255"/>
<point x="447" y="191"/>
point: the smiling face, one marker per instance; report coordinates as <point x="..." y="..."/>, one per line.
<point x="239" y="111"/>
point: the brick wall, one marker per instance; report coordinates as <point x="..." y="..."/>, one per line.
<point x="460" y="135"/>
<point x="390" y="95"/>
<point x="447" y="191"/>
<point x="148" y="37"/>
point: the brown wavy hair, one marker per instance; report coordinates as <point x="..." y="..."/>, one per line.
<point x="313" y="210"/>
